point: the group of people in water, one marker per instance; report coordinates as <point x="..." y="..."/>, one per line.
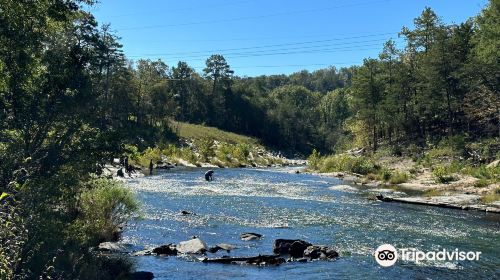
<point x="209" y="175"/>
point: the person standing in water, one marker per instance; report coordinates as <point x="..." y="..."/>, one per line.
<point x="209" y="175"/>
<point x="151" y="167"/>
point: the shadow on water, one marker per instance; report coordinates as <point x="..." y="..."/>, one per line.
<point x="280" y="204"/>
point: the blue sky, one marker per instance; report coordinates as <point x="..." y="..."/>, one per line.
<point x="268" y="36"/>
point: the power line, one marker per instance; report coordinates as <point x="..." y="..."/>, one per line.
<point x="255" y="54"/>
<point x="251" y="17"/>
<point x="289" y="65"/>
<point x="279" y="45"/>
<point x="232" y="39"/>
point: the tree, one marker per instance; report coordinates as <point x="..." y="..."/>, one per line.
<point x="219" y="72"/>
<point x="367" y="97"/>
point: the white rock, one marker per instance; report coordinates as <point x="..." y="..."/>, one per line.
<point x="193" y="246"/>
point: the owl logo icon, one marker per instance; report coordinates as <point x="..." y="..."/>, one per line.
<point x="386" y="255"/>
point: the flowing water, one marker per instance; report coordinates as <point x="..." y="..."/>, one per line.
<point x="280" y="204"/>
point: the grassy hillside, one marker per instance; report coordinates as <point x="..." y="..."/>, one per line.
<point x="197" y="132"/>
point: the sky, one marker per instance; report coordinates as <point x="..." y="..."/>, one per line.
<point x="263" y="37"/>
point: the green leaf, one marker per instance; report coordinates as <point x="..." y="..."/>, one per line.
<point x="4" y="195"/>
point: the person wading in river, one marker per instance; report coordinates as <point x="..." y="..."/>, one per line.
<point x="151" y="167"/>
<point x="209" y="175"/>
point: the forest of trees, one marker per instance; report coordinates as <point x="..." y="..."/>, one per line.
<point x="70" y="101"/>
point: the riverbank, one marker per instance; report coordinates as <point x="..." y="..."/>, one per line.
<point x="404" y="180"/>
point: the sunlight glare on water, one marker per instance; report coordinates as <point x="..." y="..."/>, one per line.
<point x="280" y="204"/>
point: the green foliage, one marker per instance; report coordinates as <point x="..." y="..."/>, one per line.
<point x="442" y="174"/>
<point x="491" y="197"/>
<point x="346" y="163"/>
<point x="481" y="183"/>
<point x="13" y="233"/>
<point x="398" y="177"/>
<point x="432" y="192"/>
<point x="241" y="152"/>
<point x="188" y="154"/>
<point x="104" y="208"/>
<point x="483" y="172"/>
<point x="314" y="160"/>
<point x="385" y="174"/>
<point x="206" y="148"/>
<point x="144" y="158"/>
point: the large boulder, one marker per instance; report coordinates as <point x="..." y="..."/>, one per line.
<point x="168" y="249"/>
<point x="250" y="236"/>
<point x="292" y="247"/>
<point x="320" y="252"/>
<point x="193" y="246"/>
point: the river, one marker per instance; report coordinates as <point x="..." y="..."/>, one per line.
<point x="281" y="204"/>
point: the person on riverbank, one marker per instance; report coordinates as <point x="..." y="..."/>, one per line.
<point x="151" y="167"/>
<point x="209" y="175"/>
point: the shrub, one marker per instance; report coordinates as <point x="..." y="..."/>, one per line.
<point x="314" y="160"/>
<point x="398" y="177"/>
<point x="171" y="151"/>
<point x="147" y="155"/>
<point x="363" y="166"/>
<point x="205" y="148"/>
<point x="347" y="163"/>
<point x="187" y="154"/>
<point x="483" y="172"/>
<point x="442" y="175"/>
<point x="224" y="152"/>
<point x="455" y="143"/>
<point x="492" y="197"/>
<point x="385" y="174"/>
<point x="241" y="152"/>
<point x="104" y="208"/>
<point x="481" y="183"/>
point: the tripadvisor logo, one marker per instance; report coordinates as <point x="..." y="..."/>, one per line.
<point x="386" y="255"/>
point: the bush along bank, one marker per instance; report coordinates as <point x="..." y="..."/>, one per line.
<point x="464" y="175"/>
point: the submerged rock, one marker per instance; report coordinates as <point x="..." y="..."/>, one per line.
<point x="221" y="246"/>
<point x="185" y="212"/>
<point x="193" y="246"/>
<point x="292" y="247"/>
<point x="250" y="236"/>
<point x="168" y="249"/>
<point x="258" y="260"/>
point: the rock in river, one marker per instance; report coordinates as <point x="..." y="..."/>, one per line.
<point x="293" y="247"/>
<point x="169" y="249"/>
<point x="258" y="260"/>
<point x="114" y="247"/>
<point x="193" y="246"/>
<point x="221" y="246"/>
<point x="320" y="252"/>
<point x="250" y="236"/>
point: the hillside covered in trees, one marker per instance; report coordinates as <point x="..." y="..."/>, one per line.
<point x="70" y="101"/>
